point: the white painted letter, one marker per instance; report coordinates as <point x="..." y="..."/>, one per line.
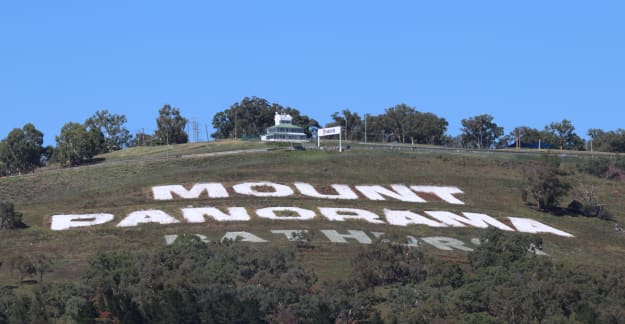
<point x="147" y="216"/>
<point x="401" y="193"/>
<point x="473" y="219"/>
<point x="527" y="225"/>
<point x="343" y="191"/>
<point x="171" y="239"/>
<point x="214" y="190"/>
<point x="406" y="217"/>
<point x="446" y="243"/>
<point x="291" y="235"/>
<point x="342" y="214"/>
<point x="335" y="237"/>
<point x="197" y="215"/>
<point x="243" y="237"/>
<point x="270" y="213"/>
<point x="278" y="190"/>
<point x="63" y="222"/>
<point x="444" y="193"/>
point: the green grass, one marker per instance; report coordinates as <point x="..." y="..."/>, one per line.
<point x="491" y="184"/>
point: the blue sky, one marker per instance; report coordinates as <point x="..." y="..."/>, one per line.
<point x="524" y="62"/>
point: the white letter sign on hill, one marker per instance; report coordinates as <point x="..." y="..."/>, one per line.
<point x="531" y="226"/>
<point x="249" y="189"/>
<point x="197" y="215"/>
<point x="214" y="190"/>
<point x="63" y="222"/>
<point x="147" y="216"/>
<point x="270" y="213"/>
<point x="343" y="214"/>
<point x="343" y="191"/>
<point x="444" y="193"/>
<point x="406" y="217"/>
<point x="389" y="194"/>
<point x="472" y="219"/>
<point x="399" y="192"/>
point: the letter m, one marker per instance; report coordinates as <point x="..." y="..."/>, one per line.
<point x="213" y="190"/>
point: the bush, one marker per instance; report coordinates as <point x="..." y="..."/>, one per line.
<point x="589" y="204"/>
<point x="385" y="262"/>
<point x="9" y="218"/>
<point x="543" y="184"/>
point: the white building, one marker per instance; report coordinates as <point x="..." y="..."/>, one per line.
<point x="284" y="130"/>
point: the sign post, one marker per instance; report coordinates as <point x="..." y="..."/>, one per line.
<point x="328" y="132"/>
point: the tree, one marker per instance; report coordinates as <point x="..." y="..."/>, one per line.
<point x="610" y="141"/>
<point x="116" y="136"/>
<point x="141" y="139"/>
<point x="9" y="217"/>
<point x="543" y="183"/>
<point x="23" y="266"/>
<point x="480" y="131"/>
<point x="529" y="137"/>
<point x="351" y="122"/>
<point x="75" y="145"/>
<point x="22" y="150"/>
<point x="405" y="124"/>
<point x="4" y="159"/>
<point x="563" y="135"/>
<point x="252" y="116"/>
<point x="588" y="202"/>
<point x="170" y="127"/>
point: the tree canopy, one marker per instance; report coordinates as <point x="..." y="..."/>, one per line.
<point x="22" y="151"/>
<point x="405" y="124"/>
<point x="77" y="145"/>
<point x="170" y="127"/>
<point x="116" y="136"/>
<point x="252" y="116"/>
<point x="480" y="131"/>
<point x="9" y="217"/>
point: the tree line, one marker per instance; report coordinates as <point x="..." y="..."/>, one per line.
<point x="502" y="280"/>
<point x="22" y="151"/>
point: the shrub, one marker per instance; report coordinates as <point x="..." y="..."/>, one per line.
<point x="9" y="217"/>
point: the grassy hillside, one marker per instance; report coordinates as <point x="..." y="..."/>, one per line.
<point x="491" y="185"/>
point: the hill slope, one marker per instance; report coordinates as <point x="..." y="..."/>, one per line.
<point x="491" y="185"/>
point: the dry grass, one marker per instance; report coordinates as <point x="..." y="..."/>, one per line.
<point x="491" y="184"/>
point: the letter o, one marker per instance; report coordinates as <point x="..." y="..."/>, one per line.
<point x="270" y="213"/>
<point x="248" y="188"/>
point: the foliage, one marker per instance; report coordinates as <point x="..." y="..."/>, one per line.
<point x="116" y="136"/>
<point x="385" y="263"/>
<point x="562" y="135"/>
<point x="480" y="131"/>
<point x="351" y="122"/>
<point x="141" y="139"/>
<point x="507" y="283"/>
<point x="610" y="141"/>
<point x="22" y="151"/>
<point x="170" y="127"/>
<point x="499" y="249"/>
<point x="543" y="183"/>
<point x="76" y="144"/>
<point x="529" y="138"/>
<point x="9" y="217"/>
<point x="252" y="116"/>
<point x="191" y="281"/>
<point x="588" y="203"/>
<point x="405" y="124"/>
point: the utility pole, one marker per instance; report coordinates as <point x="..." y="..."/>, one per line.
<point x="365" y="128"/>
<point x="206" y="126"/>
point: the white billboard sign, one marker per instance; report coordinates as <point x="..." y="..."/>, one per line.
<point x="329" y="131"/>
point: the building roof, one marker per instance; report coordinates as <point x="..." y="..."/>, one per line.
<point x="286" y="126"/>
